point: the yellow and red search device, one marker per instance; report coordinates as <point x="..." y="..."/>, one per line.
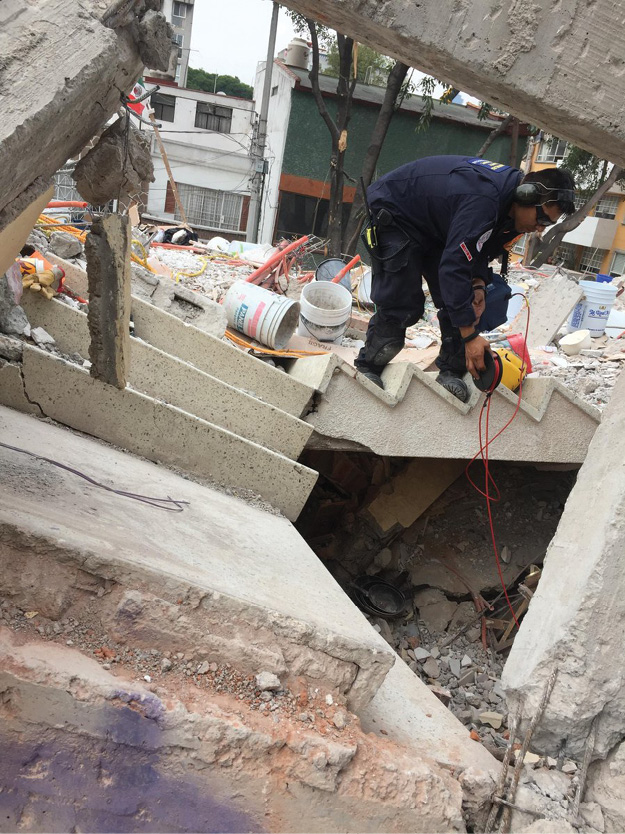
<point x="503" y="367"/>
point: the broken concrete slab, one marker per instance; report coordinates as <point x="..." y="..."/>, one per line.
<point x="553" y="61"/>
<point x="162" y="432"/>
<point x="149" y="560"/>
<point x="99" y="57"/>
<point x="570" y="624"/>
<point x="119" y="164"/>
<point x="166" y="378"/>
<point x="108" y="260"/>
<point x="203" y="760"/>
<point x="434" y="609"/>
<point x="13" y="319"/>
<point x="64" y="245"/>
<point x="551" y="302"/>
<point x="606" y="787"/>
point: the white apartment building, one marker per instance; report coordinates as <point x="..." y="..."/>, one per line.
<point x="180" y="15"/>
<point x="207" y="139"/>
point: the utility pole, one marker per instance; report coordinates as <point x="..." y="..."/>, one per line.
<point x="258" y="146"/>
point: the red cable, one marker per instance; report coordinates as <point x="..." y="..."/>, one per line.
<point x="483" y="453"/>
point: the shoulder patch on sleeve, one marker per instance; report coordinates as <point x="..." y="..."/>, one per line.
<point x="465" y="249"/>
<point x="482" y="240"/>
<point x="493" y="166"/>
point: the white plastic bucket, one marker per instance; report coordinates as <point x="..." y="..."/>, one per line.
<point x="592" y="312"/>
<point x="325" y="311"/>
<point x="364" y="287"/>
<point x="265" y="316"/>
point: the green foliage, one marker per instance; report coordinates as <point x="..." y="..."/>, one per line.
<point x="588" y="170"/>
<point x="373" y="68"/>
<point x="211" y="82"/>
<point x="427" y="85"/>
<point x="300" y="24"/>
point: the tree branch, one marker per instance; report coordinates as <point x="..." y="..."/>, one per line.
<point x="497" y="131"/>
<point x="313" y="75"/>
<point x="552" y="239"/>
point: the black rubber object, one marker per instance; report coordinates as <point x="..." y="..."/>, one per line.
<point x="454" y="384"/>
<point x="491" y="376"/>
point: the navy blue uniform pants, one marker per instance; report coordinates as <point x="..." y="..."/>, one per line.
<point x="397" y="290"/>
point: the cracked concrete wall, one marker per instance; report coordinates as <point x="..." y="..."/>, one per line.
<point x="574" y="622"/>
<point x="560" y="66"/>
<point x="62" y="74"/>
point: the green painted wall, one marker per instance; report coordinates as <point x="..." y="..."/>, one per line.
<point x="307" y="151"/>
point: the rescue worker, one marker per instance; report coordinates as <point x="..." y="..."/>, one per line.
<point x="444" y="218"/>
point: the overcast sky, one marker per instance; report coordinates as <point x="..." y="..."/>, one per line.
<point x="230" y="36"/>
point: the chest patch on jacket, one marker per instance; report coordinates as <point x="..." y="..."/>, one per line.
<point x="493" y="166"/>
<point x="465" y="249"/>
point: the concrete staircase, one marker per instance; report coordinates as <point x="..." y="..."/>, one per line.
<point x="415" y="417"/>
<point x="193" y="402"/>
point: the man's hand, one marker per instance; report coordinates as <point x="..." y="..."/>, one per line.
<point x="479" y="301"/>
<point x="474" y="352"/>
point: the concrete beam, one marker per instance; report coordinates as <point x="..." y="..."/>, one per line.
<point x="552" y="65"/>
<point x="574" y="622"/>
<point x="98" y="57"/>
<point x="108" y="267"/>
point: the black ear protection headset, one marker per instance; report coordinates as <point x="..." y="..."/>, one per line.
<point x="535" y="194"/>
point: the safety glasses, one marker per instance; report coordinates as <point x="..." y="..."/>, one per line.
<point x="543" y="219"/>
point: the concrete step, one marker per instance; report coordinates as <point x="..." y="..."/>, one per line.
<point x="153" y="429"/>
<point x="415" y="417"/>
<point x="221" y="579"/>
<point x="178" y="383"/>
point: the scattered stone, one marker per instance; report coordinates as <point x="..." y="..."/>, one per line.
<point x="166" y="664"/>
<point x="431" y="668"/>
<point x="434" y="651"/>
<point x="569" y="767"/>
<point x="454" y="666"/>
<point x="468" y="677"/>
<point x="383" y="558"/>
<point x="466" y="661"/>
<point x="551" y="762"/>
<point x="505" y="554"/>
<point x="443" y="695"/>
<point x="495" y="719"/>
<point x="203" y="668"/>
<point x="593" y="815"/>
<point x="41" y="337"/>
<point x="531" y="758"/>
<point x="329" y="699"/>
<point x="435" y="609"/>
<point x="268" y="681"/>
<point x="339" y="720"/>
<point x="552" y="783"/>
<point x="421" y="654"/>
<point x="65" y="245"/>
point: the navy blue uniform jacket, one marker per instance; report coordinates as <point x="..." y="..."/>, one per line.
<point x="456" y="208"/>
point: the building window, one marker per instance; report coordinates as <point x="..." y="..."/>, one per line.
<point x="164" y="107"/>
<point x="565" y="255"/>
<point x="177" y="76"/>
<point x="213" y="117"/>
<point x="579" y="201"/>
<point x="551" y="150"/>
<point x="519" y="246"/>
<point x="208" y="207"/>
<point x="178" y="40"/>
<point x="274" y="90"/>
<point x="618" y="265"/>
<point x="591" y="259"/>
<point x="180" y="9"/>
<point x="606" y="207"/>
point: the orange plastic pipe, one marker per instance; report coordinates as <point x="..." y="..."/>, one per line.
<point x="66" y="204"/>
<point x="274" y="260"/>
<point x="345" y="270"/>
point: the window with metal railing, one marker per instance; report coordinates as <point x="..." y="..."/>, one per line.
<point x="209" y="207"/>
<point x="552" y="150"/>
<point x="565" y="255"/>
<point x="606" y="208"/>
<point x="164" y="107"/>
<point x="213" y="117"/>
<point x="591" y="259"/>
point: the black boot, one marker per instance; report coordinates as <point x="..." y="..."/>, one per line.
<point x="454" y="384"/>
<point x="384" y="340"/>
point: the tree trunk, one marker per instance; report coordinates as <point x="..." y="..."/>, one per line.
<point x="396" y="78"/>
<point x="514" y="142"/>
<point x="552" y="239"/>
<point x="497" y="131"/>
<point x="337" y="128"/>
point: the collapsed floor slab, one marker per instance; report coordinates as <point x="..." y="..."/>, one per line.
<point x="573" y="622"/>
<point x="218" y="577"/>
